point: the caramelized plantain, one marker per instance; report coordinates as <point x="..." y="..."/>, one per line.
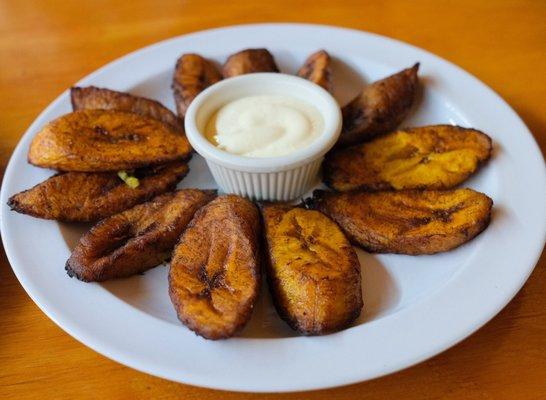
<point x="429" y="157"/>
<point x="137" y="239"/>
<point x="313" y="271"/>
<point x="105" y="140"/>
<point x="317" y="69"/>
<point x="249" y="61"/>
<point x="91" y="196"/>
<point x="192" y="75"/>
<point x="380" y="107"/>
<point x="94" y="98"/>
<point x="215" y="271"/>
<point x="408" y="222"/>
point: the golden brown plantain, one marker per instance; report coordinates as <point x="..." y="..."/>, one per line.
<point x="429" y="157"/>
<point x="94" y="98"/>
<point x="192" y="75"/>
<point x="105" y="140"/>
<point x="380" y="107"/>
<point x="91" y="196"/>
<point x="137" y="239"/>
<point x="313" y="271"/>
<point x="408" y="222"/>
<point x="249" y="61"/>
<point x="317" y="69"/>
<point x="215" y="271"/>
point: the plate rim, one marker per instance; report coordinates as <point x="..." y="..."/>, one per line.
<point x="533" y="258"/>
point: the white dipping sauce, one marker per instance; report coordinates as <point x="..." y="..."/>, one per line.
<point x="264" y="126"/>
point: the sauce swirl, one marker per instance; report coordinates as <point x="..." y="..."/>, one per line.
<point x="264" y="126"/>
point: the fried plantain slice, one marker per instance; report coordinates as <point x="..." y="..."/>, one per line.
<point x="215" y="271"/>
<point x="105" y="140"/>
<point x="429" y="157"/>
<point x="249" y="61"/>
<point x="91" y="196"/>
<point x="317" y="69"/>
<point x="380" y="107"/>
<point x="313" y="271"/>
<point x="408" y="222"/>
<point x="137" y="239"/>
<point x="192" y="75"/>
<point x="94" y="98"/>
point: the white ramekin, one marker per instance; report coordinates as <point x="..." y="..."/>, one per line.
<point x="265" y="178"/>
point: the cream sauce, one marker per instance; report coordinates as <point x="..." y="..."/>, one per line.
<point x="264" y="126"/>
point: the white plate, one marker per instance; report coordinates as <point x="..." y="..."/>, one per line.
<point x="415" y="307"/>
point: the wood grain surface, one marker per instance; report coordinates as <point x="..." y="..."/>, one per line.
<point x="46" y="46"/>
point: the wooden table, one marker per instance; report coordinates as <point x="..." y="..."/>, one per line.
<point x="46" y="46"/>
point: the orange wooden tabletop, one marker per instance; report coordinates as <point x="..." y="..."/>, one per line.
<point x="46" y="46"/>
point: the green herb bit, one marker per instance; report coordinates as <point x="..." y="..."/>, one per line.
<point x="129" y="180"/>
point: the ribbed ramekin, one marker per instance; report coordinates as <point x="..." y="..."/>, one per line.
<point x="263" y="178"/>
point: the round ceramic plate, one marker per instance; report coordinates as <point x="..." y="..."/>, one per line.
<point x="414" y="307"/>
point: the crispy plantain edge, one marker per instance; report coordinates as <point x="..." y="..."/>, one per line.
<point x="71" y="266"/>
<point x="307" y="204"/>
<point x="381" y="118"/>
<point x="319" y="195"/>
<point x="187" y="320"/>
<point x="326" y="176"/>
<point x="76" y="91"/>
